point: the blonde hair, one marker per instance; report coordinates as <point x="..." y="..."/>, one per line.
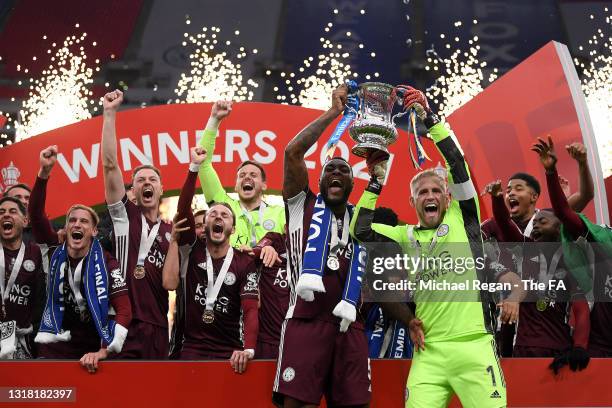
<point x="423" y="175"/>
<point x="94" y="215"/>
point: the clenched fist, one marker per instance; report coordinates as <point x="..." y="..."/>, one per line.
<point x="221" y="109"/>
<point x="112" y="100"/>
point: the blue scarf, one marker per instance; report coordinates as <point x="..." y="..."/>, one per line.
<point x="315" y="259"/>
<point x="386" y="338"/>
<point x="95" y="282"/>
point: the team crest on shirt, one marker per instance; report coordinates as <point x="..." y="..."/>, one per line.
<point x="288" y="374"/>
<point x="168" y="236"/>
<point x="442" y="230"/>
<point x="118" y="279"/>
<point x="230" y="279"/>
<point x="269" y="225"/>
<point x="28" y="265"/>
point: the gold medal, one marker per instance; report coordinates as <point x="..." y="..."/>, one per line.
<point x="139" y="272"/>
<point x="541" y="304"/>
<point x="208" y="316"/>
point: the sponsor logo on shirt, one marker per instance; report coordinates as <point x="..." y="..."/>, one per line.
<point x="251" y="284"/>
<point x="117" y="278"/>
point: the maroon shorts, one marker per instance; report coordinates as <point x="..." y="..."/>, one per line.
<point x="316" y="359"/>
<point x="145" y="341"/>
<point x="266" y="351"/>
<point x="193" y="354"/>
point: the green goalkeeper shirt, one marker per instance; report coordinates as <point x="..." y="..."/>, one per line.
<point x="449" y="253"/>
<point x="251" y="226"/>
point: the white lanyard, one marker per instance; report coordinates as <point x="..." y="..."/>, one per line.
<point x="4" y="291"/>
<point x="247" y="214"/>
<point x="75" y="283"/>
<point x="547" y="272"/>
<point x="337" y="245"/>
<point x="146" y="239"/>
<point x="529" y="226"/>
<point x="212" y="289"/>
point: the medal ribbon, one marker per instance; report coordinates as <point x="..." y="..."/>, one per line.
<point x="146" y="239"/>
<point x="547" y="272"/>
<point x="247" y="214"/>
<point x="349" y="114"/>
<point x="336" y="245"/>
<point x="212" y="289"/>
<point x="75" y="284"/>
<point x="4" y="291"/>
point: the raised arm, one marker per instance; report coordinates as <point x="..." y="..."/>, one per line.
<point x="580" y="199"/>
<point x="198" y="155"/>
<point x="114" y="189"/>
<point x="509" y="230"/>
<point x="41" y="227"/>
<point x="211" y="185"/>
<point x="561" y="207"/>
<point x="295" y="173"/>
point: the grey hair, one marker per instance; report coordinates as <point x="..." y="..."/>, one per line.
<point x="425" y="174"/>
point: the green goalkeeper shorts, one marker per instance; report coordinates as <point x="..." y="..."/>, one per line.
<point x="468" y="366"/>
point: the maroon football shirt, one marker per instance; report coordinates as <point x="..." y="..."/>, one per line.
<point x="299" y="210"/>
<point x="224" y="335"/>
<point x="28" y="292"/>
<point x="148" y="297"/>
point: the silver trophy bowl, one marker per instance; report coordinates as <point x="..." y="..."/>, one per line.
<point x="373" y="129"/>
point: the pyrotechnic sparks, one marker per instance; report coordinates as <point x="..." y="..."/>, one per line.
<point x="461" y="75"/>
<point x="61" y="96"/>
<point x="214" y="75"/>
<point x="597" y="87"/>
<point x="318" y="76"/>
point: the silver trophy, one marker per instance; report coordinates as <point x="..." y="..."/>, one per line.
<point x="374" y="128"/>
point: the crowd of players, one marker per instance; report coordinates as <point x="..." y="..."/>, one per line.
<point x="254" y="280"/>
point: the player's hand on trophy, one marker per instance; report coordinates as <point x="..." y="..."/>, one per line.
<point x="494" y="188"/>
<point x="415" y="99"/>
<point x="240" y="359"/>
<point x="112" y="100"/>
<point x="417" y="335"/>
<point x="221" y="110"/>
<point x="339" y="97"/>
<point x="90" y="360"/>
<point x="377" y="165"/>
<point x="546" y="151"/>
<point x="48" y="158"/>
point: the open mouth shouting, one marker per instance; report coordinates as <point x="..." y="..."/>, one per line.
<point x="147" y="193"/>
<point x="336" y="186"/>
<point x="7" y="226"/>
<point x="248" y="186"/>
<point x="77" y="236"/>
<point x="513" y="203"/>
<point x="430" y="209"/>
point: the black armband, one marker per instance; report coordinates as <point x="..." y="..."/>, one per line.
<point x="374" y="186"/>
<point x="431" y="120"/>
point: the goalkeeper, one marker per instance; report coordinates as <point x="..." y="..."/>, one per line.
<point x="254" y="218"/>
<point x="459" y="353"/>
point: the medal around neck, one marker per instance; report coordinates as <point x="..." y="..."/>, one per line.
<point x="139" y="272"/>
<point x="208" y="316"/>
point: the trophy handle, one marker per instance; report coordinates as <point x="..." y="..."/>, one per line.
<point x="398" y="116"/>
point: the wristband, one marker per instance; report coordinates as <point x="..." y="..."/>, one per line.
<point x="251" y="352"/>
<point x="194" y="167"/>
<point x="374" y="186"/>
